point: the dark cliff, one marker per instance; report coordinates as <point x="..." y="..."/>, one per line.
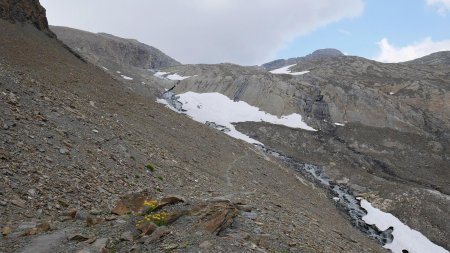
<point x="25" y="11"/>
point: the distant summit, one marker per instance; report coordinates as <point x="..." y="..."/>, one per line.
<point x="327" y="52"/>
<point x="316" y="55"/>
<point x="25" y="11"/>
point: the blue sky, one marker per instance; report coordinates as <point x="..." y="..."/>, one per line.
<point x="402" y="22"/>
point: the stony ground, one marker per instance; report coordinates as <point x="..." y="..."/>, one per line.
<point x="402" y="173"/>
<point x="74" y="141"/>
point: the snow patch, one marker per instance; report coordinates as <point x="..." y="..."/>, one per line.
<point x="218" y="108"/>
<point x="176" y="77"/>
<point x="339" y="124"/>
<point x="286" y="70"/>
<point x="161" y="74"/>
<point x="405" y="238"/>
<point x="126" y="77"/>
<point x="168" y="76"/>
<point x="105" y="68"/>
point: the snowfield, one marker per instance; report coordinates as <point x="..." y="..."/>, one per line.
<point x="218" y="108"/>
<point x="286" y="70"/>
<point x="405" y="238"/>
<point x="168" y="76"/>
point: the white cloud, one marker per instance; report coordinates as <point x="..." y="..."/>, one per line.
<point x="442" y="5"/>
<point x="207" y="31"/>
<point x="390" y="53"/>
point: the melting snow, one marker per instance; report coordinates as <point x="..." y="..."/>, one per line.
<point x="160" y="74"/>
<point x="173" y="77"/>
<point x="218" y="108"/>
<point x="405" y="238"/>
<point x="176" y="77"/>
<point x="126" y="77"/>
<point x="286" y="70"/>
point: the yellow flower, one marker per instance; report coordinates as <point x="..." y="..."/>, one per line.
<point x="151" y="203"/>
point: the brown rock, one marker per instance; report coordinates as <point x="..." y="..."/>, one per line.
<point x="25" y="11"/>
<point x="91" y="240"/>
<point x="6" y="231"/>
<point x="159" y="233"/>
<point x="92" y="221"/>
<point x="132" y="203"/>
<point x="292" y="243"/>
<point x="219" y="219"/>
<point x="79" y="238"/>
<point x="147" y="228"/>
<point x="43" y="227"/>
<point x="172" y="200"/>
<point x="173" y="216"/>
<point x="72" y="213"/>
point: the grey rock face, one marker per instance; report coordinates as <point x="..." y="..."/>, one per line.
<point x="111" y="51"/>
<point x="405" y="97"/>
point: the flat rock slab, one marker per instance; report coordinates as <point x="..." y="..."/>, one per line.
<point x="46" y="243"/>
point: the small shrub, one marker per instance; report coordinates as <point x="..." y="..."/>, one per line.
<point x="150" y="167"/>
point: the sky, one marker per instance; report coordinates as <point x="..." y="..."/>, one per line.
<point x="252" y="32"/>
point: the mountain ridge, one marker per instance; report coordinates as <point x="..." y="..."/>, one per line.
<point x="109" y="49"/>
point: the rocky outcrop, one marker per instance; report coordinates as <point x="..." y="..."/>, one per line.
<point x="25" y="11"/>
<point x="113" y="52"/>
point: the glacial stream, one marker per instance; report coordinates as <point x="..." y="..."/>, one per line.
<point x="343" y="196"/>
<point x="216" y="111"/>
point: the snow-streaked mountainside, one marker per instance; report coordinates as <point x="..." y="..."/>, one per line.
<point x="286" y="70"/>
<point x="383" y="130"/>
<point x="219" y="109"/>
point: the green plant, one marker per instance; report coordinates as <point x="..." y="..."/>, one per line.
<point x="151" y="206"/>
<point x="150" y="167"/>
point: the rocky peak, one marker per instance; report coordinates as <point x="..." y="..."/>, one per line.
<point x="316" y="55"/>
<point x="25" y="11"/>
<point x="327" y="52"/>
